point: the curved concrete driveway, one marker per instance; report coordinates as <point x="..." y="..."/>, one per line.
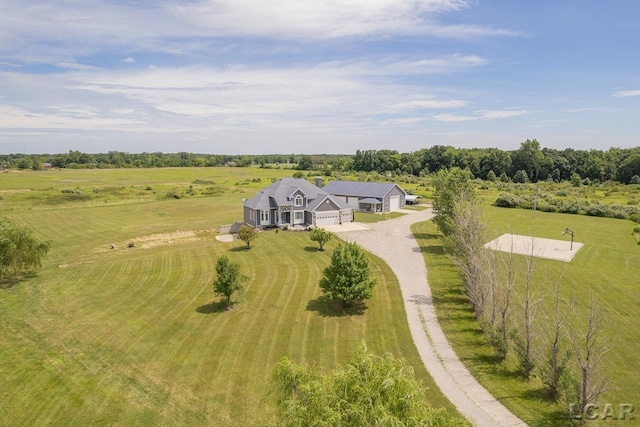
<point x="393" y="241"/>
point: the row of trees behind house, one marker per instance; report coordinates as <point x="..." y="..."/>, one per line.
<point x="529" y="163"/>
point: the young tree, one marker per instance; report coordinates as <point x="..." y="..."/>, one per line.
<point x="590" y="347"/>
<point x="370" y="390"/>
<point x="524" y="346"/>
<point x="348" y="278"/>
<point x="465" y="247"/>
<point x="448" y="186"/>
<point x="228" y="278"/>
<point x="502" y="345"/>
<point x="556" y="360"/>
<point x="247" y="234"/>
<point x="19" y="251"/>
<point x="320" y="236"/>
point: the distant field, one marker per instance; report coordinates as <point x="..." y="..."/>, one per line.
<point x="131" y="337"/>
<point x="606" y="268"/>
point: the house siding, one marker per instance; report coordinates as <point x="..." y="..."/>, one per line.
<point x="308" y="218"/>
<point x="395" y="191"/>
<point x="247" y="217"/>
<point x="324" y="206"/>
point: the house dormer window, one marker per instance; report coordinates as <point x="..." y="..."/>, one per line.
<point x="297" y="201"/>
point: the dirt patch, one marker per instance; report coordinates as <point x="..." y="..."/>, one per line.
<point x="165" y="239"/>
<point x="154" y="240"/>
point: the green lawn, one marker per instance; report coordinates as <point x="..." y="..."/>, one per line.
<point x="136" y="337"/>
<point x="606" y="268"/>
<point x="372" y="217"/>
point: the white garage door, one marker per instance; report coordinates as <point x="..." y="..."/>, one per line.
<point x="327" y="218"/>
<point x="394" y="203"/>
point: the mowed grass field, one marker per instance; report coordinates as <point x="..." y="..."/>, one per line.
<point x="134" y="336"/>
<point x="606" y="269"/>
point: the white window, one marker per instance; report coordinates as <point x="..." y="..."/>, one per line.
<point x="264" y="216"/>
<point x="297" y="201"/>
<point x="298" y="215"/>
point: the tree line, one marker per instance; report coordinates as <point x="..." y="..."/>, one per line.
<point x="529" y="163"/>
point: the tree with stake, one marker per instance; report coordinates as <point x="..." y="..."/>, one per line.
<point x="228" y="279"/>
<point x="19" y="251"/>
<point x="321" y="236"/>
<point x="247" y="234"/>
<point x="348" y="278"/>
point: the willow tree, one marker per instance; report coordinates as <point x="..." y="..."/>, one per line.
<point x="19" y="250"/>
<point x="369" y="390"/>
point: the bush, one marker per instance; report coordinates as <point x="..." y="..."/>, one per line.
<point x="635" y="179"/>
<point x="507" y="200"/>
<point x="149" y="188"/>
<point x="216" y="190"/>
<point x="173" y="194"/>
<point x="570" y="208"/>
<point x="548" y="208"/>
<point x="599" y="210"/>
<point x="521" y="177"/>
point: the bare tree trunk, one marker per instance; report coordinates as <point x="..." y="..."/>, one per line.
<point x="590" y="348"/>
<point x="508" y="265"/>
<point x="466" y="249"/>
<point x="530" y="306"/>
<point x="556" y="362"/>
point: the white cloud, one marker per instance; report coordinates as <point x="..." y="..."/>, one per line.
<point x="626" y="93"/>
<point x="480" y="115"/>
<point x="18" y="118"/>
<point x="76" y="66"/>
<point x="52" y="32"/>
<point x="420" y="104"/>
<point x="403" y="121"/>
<point x="129" y="60"/>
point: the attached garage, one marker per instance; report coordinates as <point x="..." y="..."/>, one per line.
<point x="394" y="203"/>
<point x="327" y="218"/>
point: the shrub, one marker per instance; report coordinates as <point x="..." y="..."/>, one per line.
<point x="173" y="194"/>
<point x="149" y="188"/>
<point x="576" y="181"/>
<point x="507" y="200"/>
<point x="599" y="210"/>
<point x="549" y="208"/>
<point x="521" y="177"/>
<point x="635" y="179"/>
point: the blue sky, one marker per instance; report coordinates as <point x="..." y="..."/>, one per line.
<point x="317" y="76"/>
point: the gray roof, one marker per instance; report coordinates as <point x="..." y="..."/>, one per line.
<point x="278" y="193"/>
<point x="359" y="189"/>
<point x="369" y="200"/>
